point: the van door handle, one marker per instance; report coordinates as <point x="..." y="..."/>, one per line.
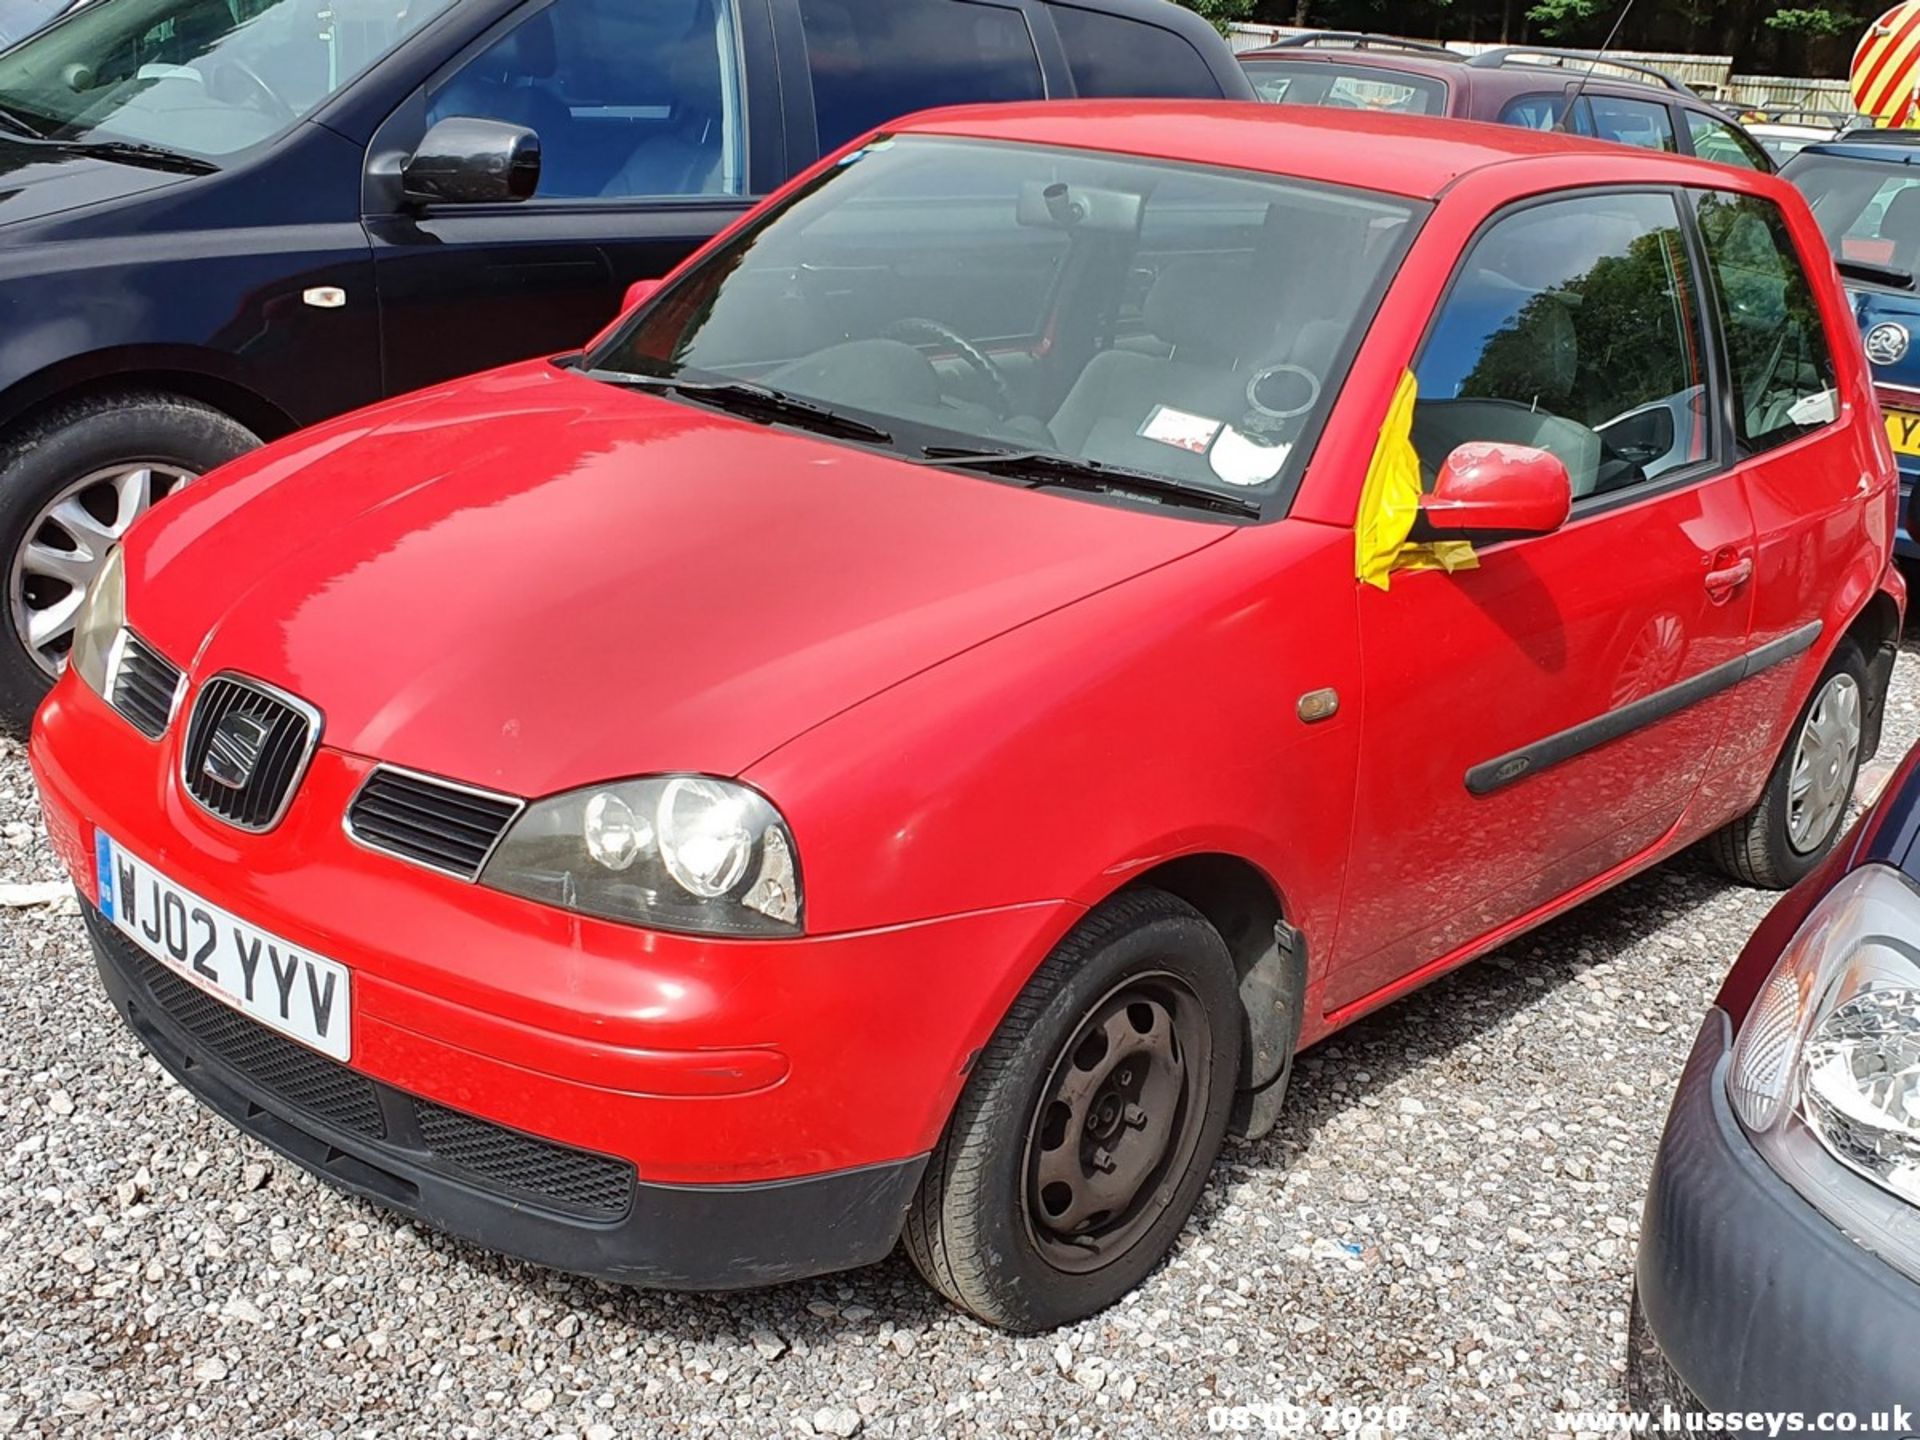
<point x="1723" y="582"/>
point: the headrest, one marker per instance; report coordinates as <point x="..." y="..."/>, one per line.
<point x="1548" y="251"/>
<point x="1202" y="308"/>
<point x="529" y="49"/>
<point x="1901" y="223"/>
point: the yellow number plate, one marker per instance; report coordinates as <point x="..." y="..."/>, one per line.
<point x="1903" y="429"/>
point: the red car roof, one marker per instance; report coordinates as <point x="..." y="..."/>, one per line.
<point x="1416" y="155"/>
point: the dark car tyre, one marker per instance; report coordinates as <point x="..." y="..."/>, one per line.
<point x="70" y="485"/>
<point x="1653" y="1385"/>
<point x="1805" y="804"/>
<point x="1086" y="1130"/>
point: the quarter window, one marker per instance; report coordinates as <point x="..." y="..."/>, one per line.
<point x="628" y="100"/>
<point x="1110" y="55"/>
<point x="1572" y="326"/>
<point x="874" y="60"/>
<point x="1718" y="141"/>
<point x="1782" y="366"/>
<point x="1535" y="112"/>
<point x="1313" y="82"/>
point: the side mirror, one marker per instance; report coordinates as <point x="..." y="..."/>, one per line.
<point x="464" y="160"/>
<point x="638" y="293"/>
<point x="1488" y="491"/>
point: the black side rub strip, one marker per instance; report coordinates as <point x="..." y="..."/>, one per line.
<point x="1517" y="765"/>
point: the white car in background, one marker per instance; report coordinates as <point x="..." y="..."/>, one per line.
<point x="1784" y="133"/>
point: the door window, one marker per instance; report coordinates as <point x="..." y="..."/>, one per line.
<point x="1110" y="55"/>
<point x="1572" y="326"/>
<point x="628" y="100"/>
<point x="875" y="60"/>
<point x="1718" y="141"/>
<point x="1642" y="123"/>
<point x="1782" y="366"/>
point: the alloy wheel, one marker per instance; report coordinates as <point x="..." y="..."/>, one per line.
<point x="1117" y="1123"/>
<point x="68" y="542"/>
<point x="1823" y="764"/>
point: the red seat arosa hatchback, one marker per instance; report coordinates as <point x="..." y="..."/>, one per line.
<point x="911" y="731"/>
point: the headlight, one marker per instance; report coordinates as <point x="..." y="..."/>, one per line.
<point x="1827" y="1066"/>
<point x="677" y="852"/>
<point x="96" y="629"/>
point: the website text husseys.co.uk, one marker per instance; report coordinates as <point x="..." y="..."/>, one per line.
<point x="1895" y="1420"/>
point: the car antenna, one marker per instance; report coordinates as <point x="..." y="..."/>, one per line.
<point x="1599" y="58"/>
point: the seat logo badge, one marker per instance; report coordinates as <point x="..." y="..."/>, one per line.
<point x="234" y="751"/>
<point x="324" y="297"/>
<point x="1887" y="343"/>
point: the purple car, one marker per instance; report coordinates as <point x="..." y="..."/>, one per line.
<point x="1609" y="99"/>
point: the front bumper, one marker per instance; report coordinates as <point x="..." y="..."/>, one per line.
<point x="510" y="1192"/>
<point x="1754" y="1299"/>
<point x="699" y="1062"/>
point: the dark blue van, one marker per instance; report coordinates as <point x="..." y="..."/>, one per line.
<point x="1865" y="191"/>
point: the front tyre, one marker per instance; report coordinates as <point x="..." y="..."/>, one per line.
<point x="1802" y="810"/>
<point x="70" y="485"/>
<point x="1086" y="1130"/>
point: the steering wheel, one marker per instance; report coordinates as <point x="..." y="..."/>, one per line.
<point x="915" y="330"/>
<point x="259" y="94"/>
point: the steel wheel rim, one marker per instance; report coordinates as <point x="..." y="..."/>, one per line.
<point x="67" y="543"/>
<point x="1117" y="1122"/>
<point x="1821" y="782"/>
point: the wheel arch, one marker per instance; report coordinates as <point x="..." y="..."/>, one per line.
<point x="188" y="373"/>
<point x="1243" y="904"/>
<point x="1876" y="630"/>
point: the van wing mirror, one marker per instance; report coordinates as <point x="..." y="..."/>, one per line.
<point x="1487" y="491"/>
<point x="464" y="160"/>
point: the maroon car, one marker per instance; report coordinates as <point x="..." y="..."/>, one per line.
<point x="1610" y="99"/>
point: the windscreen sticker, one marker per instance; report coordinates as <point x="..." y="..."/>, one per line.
<point x="1178" y="428"/>
<point x="1241" y="459"/>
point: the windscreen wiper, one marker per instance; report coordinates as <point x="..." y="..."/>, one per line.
<point x="1889" y="275"/>
<point x="17" y="122"/>
<point x="756" y="402"/>
<point x="131" y="152"/>
<point x="1043" y="467"/>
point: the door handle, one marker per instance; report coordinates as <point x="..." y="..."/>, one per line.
<point x="1723" y="582"/>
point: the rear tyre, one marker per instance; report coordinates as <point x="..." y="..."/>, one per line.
<point x="1803" y="808"/>
<point x="70" y="485"/>
<point x="1086" y="1130"/>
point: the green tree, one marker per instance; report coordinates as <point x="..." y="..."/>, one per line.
<point x="1222" y="12"/>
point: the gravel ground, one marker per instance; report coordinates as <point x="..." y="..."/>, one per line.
<point x="1445" y="1221"/>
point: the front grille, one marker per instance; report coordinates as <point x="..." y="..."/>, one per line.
<point x="558" y="1177"/>
<point x="257" y="740"/>
<point x="582" y="1181"/>
<point x="296" y="1074"/>
<point x="430" y="822"/>
<point x="145" y="685"/>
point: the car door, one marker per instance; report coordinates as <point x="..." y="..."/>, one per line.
<point x="1808" y="476"/>
<point x="646" y="153"/>
<point x="1535" y="723"/>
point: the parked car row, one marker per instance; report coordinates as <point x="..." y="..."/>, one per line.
<point x="904" y="736"/>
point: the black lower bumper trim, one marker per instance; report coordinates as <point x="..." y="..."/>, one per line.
<point x="1750" y="1299"/>
<point x="676" y="1237"/>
